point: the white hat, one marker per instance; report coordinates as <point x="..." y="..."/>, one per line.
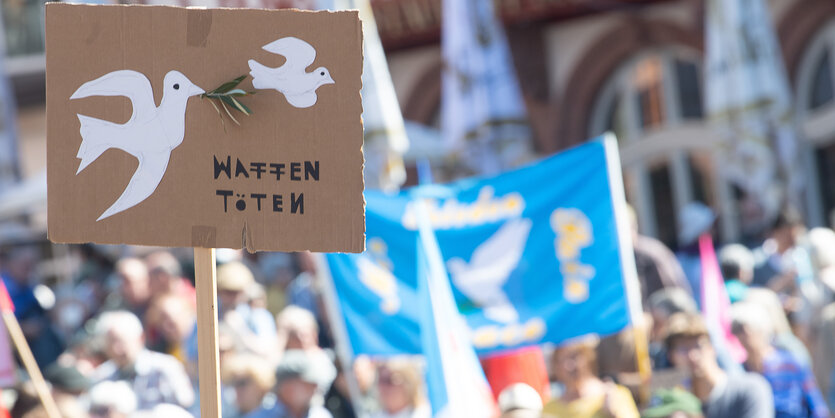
<point x="694" y="219"/>
<point x="519" y="396"/>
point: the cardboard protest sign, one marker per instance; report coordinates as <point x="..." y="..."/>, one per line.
<point x="137" y="154"/>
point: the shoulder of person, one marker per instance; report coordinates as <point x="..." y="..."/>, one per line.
<point x="749" y="384"/>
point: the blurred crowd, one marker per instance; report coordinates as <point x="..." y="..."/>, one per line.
<point x="119" y="338"/>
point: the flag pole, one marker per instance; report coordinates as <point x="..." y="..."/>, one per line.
<point x="627" y="259"/>
<point x="207" y="349"/>
<point x="29" y="363"/>
<point x="342" y="343"/>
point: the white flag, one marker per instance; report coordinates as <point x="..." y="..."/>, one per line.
<point x="482" y="112"/>
<point x="749" y="100"/>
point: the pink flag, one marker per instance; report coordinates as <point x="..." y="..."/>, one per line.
<point x="716" y="306"/>
<point x="7" y="364"/>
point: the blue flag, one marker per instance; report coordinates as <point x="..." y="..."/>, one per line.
<point x="539" y="254"/>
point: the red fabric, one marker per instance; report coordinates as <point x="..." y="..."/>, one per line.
<point x="525" y="365"/>
<point x="6" y="304"/>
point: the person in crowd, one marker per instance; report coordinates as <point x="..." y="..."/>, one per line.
<point x="795" y="392"/>
<point x="251" y="381"/>
<point x="298" y="330"/>
<point x="174" y="321"/>
<point x="673" y="403"/>
<point x="657" y="266"/>
<point x="135" y="289"/>
<point x="662" y="305"/>
<point x="783" y="336"/>
<point x="166" y="276"/>
<point x="694" y="220"/>
<point x="520" y="400"/>
<point x="337" y="400"/>
<point x="19" y="277"/>
<point x="737" y="265"/>
<point x="738" y="395"/>
<point x="69" y="387"/>
<point x="824" y="357"/>
<point x="154" y="377"/>
<point x="255" y="327"/>
<point x="400" y="388"/>
<point x="114" y="399"/>
<point x="166" y="410"/>
<point x="296" y="380"/>
<point x="585" y="394"/>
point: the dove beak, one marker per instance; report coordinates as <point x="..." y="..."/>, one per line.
<point x="194" y="90"/>
<point x="329" y="81"/>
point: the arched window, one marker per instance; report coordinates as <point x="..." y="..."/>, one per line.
<point x="653" y="103"/>
<point x="815" y="108"/>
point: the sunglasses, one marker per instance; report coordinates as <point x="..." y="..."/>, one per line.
<point x="390" y="380"/>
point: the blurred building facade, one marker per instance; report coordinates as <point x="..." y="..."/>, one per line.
<point x="633" y="67"/>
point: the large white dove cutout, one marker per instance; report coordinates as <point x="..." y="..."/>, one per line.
<point x="291" y="79"/>
<point x="150" y="134"/>
<point x="492" y="262"/>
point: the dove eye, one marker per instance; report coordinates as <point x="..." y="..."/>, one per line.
<point x="176" y="86"/>
<point x="322" y="73"/>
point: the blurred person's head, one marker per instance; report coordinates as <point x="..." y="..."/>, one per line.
<point x="663" y="304"/>
<point x="752" y="326"/>
<point x="256" y="295"/>
<point x="66" y="378"/>
<point x="694" y="219"/>
<point x="135" y="281"/>
<point x="575" y="361"/>
<point x="786" y="229"/>
<point x="250" y="378"/>
<point x="123" y="337"/>
<point x="297" y="326"/>
<point x="296" y="380"/>
<point x="519" y="400"/>
<point x="772" y="306"/>
<point x="19" y="263"/>
<point x="164" y="271"/>
<point x="112" y="400"/>
<point x="233" y="279"/>
<point x="175" y="317"/>
<point x="399" y="384"/>
<point x="166" y="410"/>
<point x="688" y="345"/>
<point x="822" y="248"/>
<point x="737" y="263"/>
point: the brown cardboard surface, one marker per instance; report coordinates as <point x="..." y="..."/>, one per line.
<point x="209" y="47"/>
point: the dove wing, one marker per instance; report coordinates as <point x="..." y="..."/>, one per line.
<point x="500" y="254"/>
<point x="299" y="53"/>
<point x="131" y="84"/>
<point x="144" y="182"/>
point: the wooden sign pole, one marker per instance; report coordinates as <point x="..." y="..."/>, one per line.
<point x="29" y="363"/>
<point x="207" y="350"/>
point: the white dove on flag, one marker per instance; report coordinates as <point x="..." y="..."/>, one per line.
<point x="291" y="79"/>
<point x="150" y="134"/>
<point x="492" y="262"/>
<point x="379" y="280"/>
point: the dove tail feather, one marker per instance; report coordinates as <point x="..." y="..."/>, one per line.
<point x="94" y="140"/>
<point x="260" y="74"/>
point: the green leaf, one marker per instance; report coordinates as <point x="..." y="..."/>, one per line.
<point x="229" y="85"/>
<point x="231" y="101"/>
<point x="236" y="93"/>
<point x="228" y="112"/>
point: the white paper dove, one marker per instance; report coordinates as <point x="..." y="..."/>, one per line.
<point x="299" y="87"/>
<point x="481" y="279"/>
<point x="149" y="135"/>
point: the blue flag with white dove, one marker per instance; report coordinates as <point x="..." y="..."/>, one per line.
<point x="482" y="113"/>
<point x="539" y="254"/>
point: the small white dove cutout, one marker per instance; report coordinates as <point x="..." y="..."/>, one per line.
<point x="299" y="87"/>
<point x="150" y="134"/>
